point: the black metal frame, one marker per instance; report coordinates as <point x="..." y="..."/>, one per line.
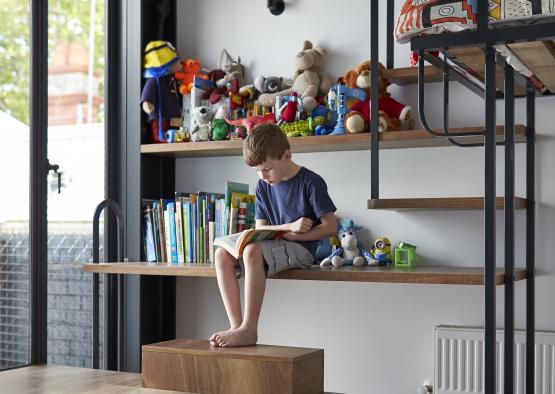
<point x="38" y="247"/>
<point x="114" y="206"/>
<point x="485" y="38"/>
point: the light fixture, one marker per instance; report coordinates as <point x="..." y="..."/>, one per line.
<point x="276" y="7"/>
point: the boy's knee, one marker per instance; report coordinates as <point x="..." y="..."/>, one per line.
<point x="222" y="258"/>
<point x="252" y="252"/>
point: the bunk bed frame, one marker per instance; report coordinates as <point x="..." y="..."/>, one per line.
<point x="483" y="38"/>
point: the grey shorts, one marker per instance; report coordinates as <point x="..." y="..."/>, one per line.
<point x="281" y="255"/>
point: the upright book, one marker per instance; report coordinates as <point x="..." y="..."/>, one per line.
<point x="235" y="243"/>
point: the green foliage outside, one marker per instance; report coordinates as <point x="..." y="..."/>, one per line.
<point x="68" y="22"/>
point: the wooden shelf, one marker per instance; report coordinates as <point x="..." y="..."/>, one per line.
<point x="455" y="203"/>
<point x="409" y="75"/>
<point x="419" y="274"/>
<point x="327" y="143"/>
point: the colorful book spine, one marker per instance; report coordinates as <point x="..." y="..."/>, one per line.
<point x="150" y="248"/>
<point x="173" y="240"/>
<point x="233" y="215"/>
<point x="187" y="232"/>
<point x="211" y="236"/>
<point x="179" y="231"/>
<point x="241" y="217"/>
<point x="167" y="235"/>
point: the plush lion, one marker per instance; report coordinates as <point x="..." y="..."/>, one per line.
<point x="392" y="114"/>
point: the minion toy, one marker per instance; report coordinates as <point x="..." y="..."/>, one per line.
<point x="159" y="98"/>
<point x="381" y="251"/>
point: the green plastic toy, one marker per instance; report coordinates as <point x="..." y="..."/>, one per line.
<point x="405" y="255"/>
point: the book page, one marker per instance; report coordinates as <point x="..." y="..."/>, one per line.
<point x="229" y="243"/>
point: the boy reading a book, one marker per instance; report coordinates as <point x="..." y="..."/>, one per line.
<point x="288" y="197"/>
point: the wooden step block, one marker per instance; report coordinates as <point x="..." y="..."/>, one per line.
<point x="192" y="365"/>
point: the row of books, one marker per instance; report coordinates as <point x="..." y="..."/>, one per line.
<point x="182" y="230"/>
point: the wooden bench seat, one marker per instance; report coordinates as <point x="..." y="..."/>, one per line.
<point x="192" y="365"/>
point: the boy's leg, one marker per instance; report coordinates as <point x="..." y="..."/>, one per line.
<point x="255" y="286"/>
<point x="229" y="289"/>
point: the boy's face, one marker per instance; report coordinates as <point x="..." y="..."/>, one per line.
<point x="273" y="171"/>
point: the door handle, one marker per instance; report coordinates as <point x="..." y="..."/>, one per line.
<point x="55" y="168"/>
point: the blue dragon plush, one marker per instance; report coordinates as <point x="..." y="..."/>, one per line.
<point x="351" y="251"/>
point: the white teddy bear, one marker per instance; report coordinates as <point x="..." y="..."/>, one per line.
<point x="201" y="123"/>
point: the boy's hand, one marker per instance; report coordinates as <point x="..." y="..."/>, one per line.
<point x="302" y="225"/>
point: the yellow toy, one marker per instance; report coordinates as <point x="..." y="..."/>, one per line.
<point x="381" y="251"/>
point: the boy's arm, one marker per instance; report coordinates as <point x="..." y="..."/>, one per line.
<point x="262" y="224"/>
<point x="301" y="225"/>
<point x="325" y="229"/>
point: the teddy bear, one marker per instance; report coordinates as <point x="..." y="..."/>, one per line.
<point x="351" y="251"/>
<point x="392" y="114"/>
<point x="308" y="82"/>
<point x="200" y="131"/>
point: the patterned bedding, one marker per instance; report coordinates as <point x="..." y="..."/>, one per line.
<point x="437" y="16"/>
<point x="418" y="17"/>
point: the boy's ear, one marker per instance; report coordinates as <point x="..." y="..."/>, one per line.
<point x="287" y="155"/>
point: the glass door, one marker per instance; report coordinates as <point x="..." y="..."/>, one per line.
<point x="76" y="144"/>
<point x="15" y="183"/>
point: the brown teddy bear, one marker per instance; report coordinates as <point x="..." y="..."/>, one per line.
<point x="307" y="80"/>
<point x="392" y="114"/>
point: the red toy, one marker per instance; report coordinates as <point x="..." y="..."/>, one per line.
<point x="289" y="113"/>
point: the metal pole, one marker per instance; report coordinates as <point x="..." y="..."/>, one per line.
<point x="390" y="19"/>
<point x="509" y="228"/>
<point x="38" y="243"/>
<point x="489" y="222"/>
<point x="530" y="238"/>
<point x="374" y="139"/>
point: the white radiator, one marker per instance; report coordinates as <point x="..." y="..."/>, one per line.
<point x="458" y="361"/>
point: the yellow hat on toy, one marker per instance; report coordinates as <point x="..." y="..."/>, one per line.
<point x="159" y="53"/>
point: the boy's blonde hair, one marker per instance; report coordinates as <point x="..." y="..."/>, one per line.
<point x="264" y="141"/>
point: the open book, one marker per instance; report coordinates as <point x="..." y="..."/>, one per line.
<point x="236" y="243"/>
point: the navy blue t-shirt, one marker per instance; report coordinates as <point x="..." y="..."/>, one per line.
<point x="304" y="195"/>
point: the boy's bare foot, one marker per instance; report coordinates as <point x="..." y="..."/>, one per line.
<point x="236" y="337"/>
<point x="214" y="338"/>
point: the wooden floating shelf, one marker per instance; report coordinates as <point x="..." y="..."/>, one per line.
<point x="456" y="203"/>
<point x="327" y="143"/>
<point x="418" y="274"/>
<point x="409" y="75"/>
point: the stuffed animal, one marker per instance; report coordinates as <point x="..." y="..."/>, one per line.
<point x="219" y="129"/>
<point x="200" y="131"/>
<point x="190" y="69"/>
<point x="271" y="84"/>
<point x="381" y="251"/>
<point x="392" y="114"/>
<point x="233" y="69"/>
<point x="351" y="251"/>
<point x="251" y="121"/>
<point x="307" y="80"/>
<point x="159" y="97"/>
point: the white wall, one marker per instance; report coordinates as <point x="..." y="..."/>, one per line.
<point x="377" y="337"/>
